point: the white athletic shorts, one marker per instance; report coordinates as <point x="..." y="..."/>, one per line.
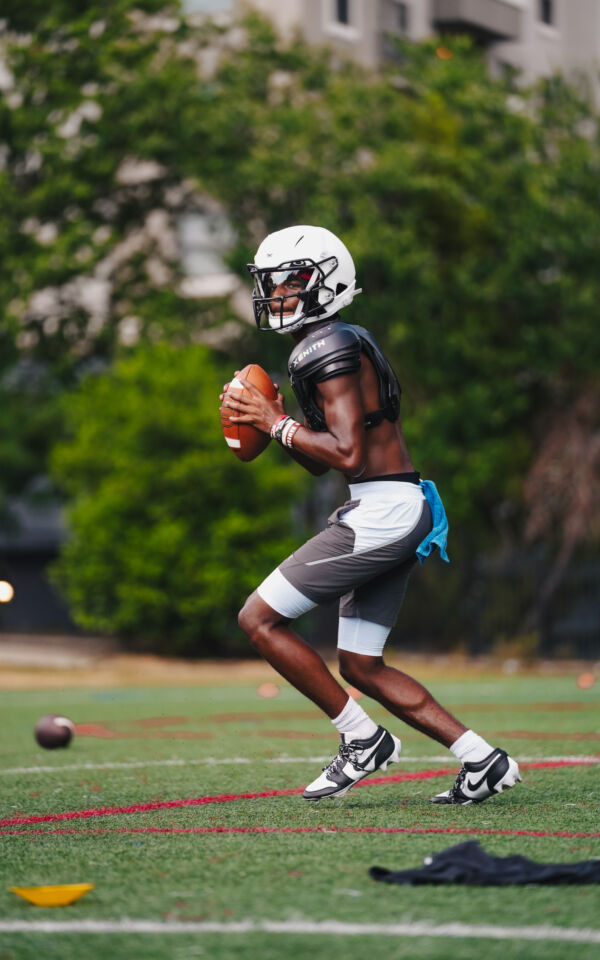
<point x="363" y="557"/>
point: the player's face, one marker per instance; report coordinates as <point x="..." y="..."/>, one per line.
<point x="287" y="289"/>
<point x="285" y="284"/>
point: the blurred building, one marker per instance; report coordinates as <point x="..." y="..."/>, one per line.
<point x="537" y="37"/>
<point x="30" y="538"/>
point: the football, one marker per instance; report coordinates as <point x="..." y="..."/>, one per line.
<point x="53" y="731"/>
<point x="242" y="438"/>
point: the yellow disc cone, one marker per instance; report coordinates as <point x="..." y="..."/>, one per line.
<point x="57" y="896"/>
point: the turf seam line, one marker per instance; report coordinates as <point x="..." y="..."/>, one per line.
<point x="474" y="831"/>
<point x="307" y="927"/>
<point x="216" y="761"/>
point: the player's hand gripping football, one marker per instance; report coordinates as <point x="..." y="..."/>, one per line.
<point x="252" y="406"/>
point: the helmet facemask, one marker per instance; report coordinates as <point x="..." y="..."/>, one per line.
<point x="272" y="312"/>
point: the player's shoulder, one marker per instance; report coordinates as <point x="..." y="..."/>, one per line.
<point x="327" y="351"/>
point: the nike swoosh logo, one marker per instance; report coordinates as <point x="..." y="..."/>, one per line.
<point x="362" y="765"/>
<point x="476" y="786"/>
<point x="495" y="766"/>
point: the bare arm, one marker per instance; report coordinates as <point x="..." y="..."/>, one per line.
<point x="342" y="446"/>
<point x="313" y="466"/>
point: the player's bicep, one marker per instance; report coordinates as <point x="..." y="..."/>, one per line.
<point x="343" y="409"/>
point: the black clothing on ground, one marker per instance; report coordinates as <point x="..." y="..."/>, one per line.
<point x="468" y="863"/>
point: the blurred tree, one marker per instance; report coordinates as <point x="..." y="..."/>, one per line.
<point x="463" y="202"/>
<point x="164" y="518"/>
<point x="97" y="104"/>
<point x="566" y="469"/>
<point x="470" y="206"/>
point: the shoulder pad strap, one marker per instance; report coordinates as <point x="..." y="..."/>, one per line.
<point x="327" y="352"/>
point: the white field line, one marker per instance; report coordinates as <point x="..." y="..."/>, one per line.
<point x="325" y="927"/>
<point x="214" y="761"/>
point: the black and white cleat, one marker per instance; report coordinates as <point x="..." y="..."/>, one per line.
<point x="478" y="781"/>
<point x="355" y="760"/>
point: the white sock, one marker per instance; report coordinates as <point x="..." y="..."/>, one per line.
<point x="354" y="723"/>
<point x="471" y="747"/>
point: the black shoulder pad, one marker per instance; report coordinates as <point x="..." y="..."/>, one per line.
<point x="328" y="352"/>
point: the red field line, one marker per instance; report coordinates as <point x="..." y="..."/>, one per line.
<point x="542" y="735"/>
<point x="200" y="801"/>
<point x="229" y="797"/>
<point x="157" y="727"/>
<point x="144" y="730"/>
<point x="73" y="831"/>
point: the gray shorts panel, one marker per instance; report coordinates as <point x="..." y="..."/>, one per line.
<point x="379" y="600"/>
<point x="371" y="583"/>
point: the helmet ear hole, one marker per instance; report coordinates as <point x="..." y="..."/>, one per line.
<point x="324" y="296"/>
<point x="340" y="288"/>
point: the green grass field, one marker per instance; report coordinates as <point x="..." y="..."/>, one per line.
<point x="247" y="860"/>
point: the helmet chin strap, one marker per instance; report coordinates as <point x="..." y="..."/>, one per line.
<point x="278" y="323"/>
<point x="302" y="321"/>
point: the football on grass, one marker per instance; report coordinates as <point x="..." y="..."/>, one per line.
<point x="53" y="731"/>
<point x="242" y="438"/>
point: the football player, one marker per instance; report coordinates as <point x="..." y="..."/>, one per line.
<point x="350" y="397"/>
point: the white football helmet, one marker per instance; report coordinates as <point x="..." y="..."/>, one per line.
<point x="317" y="265"/>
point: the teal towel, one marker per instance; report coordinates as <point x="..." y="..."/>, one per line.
<point x="439" y="531"/>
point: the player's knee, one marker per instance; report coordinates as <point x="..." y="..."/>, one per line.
<point x="346" y="670"/>
<point x="247" y="619"/>
<point x="255" y="626"/>
<point x="359" y="673"/>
